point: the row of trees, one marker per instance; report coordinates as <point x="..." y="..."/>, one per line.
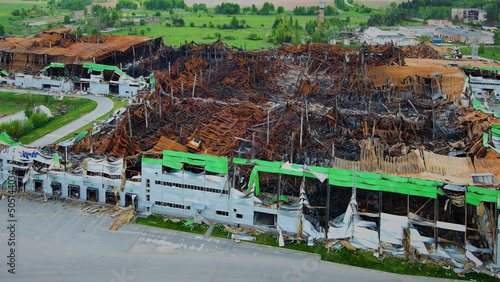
<point x="34" y="11"/>
<point x="286" y="30"/>
<point x="313" y="10"/>
<point x="72" y="5"/>
<point x="126" y="4"/>
<point x="432" y="9"/>
<point x="164" y="4"/>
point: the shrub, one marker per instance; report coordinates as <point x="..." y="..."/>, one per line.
<point x="17" y="128"/>
<point x="157" y="14"/>
<point x="168" y="24"/>
<point x="254" y="36"/>
<point x="178" y="22"/>
<point x="142" y="22"/>
<point x="39" y="119"/>
<point x="143" y="32"/>
<point x="191" y="24"/>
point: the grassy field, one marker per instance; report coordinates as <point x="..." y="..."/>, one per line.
<point x="11" y="103"/>
<point x="17" y="25"/>
<point x="358" y="258"/>
<point x="259" y="24"/>
<point x="378" y="3"/>
<point x="116" y="105"/>
<point x="59" y="121"/>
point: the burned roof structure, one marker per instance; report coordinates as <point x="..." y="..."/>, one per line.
<point x="315" y="104"/>
<point x="31" y="54"/>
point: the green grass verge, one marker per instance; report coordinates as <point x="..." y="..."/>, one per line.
<point x="116" y="105"/>
<point x="357" y="258"/>
<point x="490" y="52"/>
<point x="59" y="121"/>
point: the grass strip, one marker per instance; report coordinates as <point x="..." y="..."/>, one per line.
<point x="59" y="121"/>
<point x="116" y="105"/>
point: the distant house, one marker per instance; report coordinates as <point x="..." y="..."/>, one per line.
<point x="414" y="32"/>
<point x="489" y="27"/>
<point x="376" y="36"/>
<point x="464" y="36"/>
<point x="440" y="23"/>
<point x="469" y="14"/>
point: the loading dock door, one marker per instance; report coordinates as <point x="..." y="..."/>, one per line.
<point x="56" y="188"/>
<point x="92" y="195"/>
<point x="130" y="199"/>
<point x="38" y="186"/>
<point x="111" y="198"/>
<point x="74" y="191"/>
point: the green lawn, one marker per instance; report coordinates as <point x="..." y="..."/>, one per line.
<point x="357" y="258"/>
<point x="12" y="102"/>
<point x="490" y="52"/>
<point x="116" y="105"/>
<point x="59" y="121"/>
<point x="259" y="24"/>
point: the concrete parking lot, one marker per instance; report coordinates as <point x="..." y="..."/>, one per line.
<point x="56" y="242"/>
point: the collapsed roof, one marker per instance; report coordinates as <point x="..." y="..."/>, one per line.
<point x="30" y="54"/>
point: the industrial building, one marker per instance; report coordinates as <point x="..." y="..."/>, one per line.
<point x="383" y="147"/>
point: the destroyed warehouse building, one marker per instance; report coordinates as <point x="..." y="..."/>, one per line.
<point x="311" y="141"/>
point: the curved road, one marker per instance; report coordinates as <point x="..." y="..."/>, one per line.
<point x="55" y="242"/>
<point x="104" y="105"/>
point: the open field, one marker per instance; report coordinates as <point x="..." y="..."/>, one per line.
<point x="18" y="26"/>
<point x="259" y="25"/>
<point x="289" y="4"/>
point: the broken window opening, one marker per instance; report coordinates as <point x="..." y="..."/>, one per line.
<point x="479" y="230"/>
<point x="264" y="219"/>
<point x="316" y="193"/>
<point x="421" y="209"/>
<point x="196" y="169"/>
<point x="394" y="203"/>
<point x="339" y="200"/>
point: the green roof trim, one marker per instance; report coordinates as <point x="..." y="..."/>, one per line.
<point x="99" y="67"/>
<point x="152" y="161"/>
<point x="80" y="136"/>
<point x="4" y="72"/>
<point x="480" y="68"/>
<point x="5" y="138"/>
<point x="53" y="65"/>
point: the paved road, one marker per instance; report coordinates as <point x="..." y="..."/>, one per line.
<point x="60" y="243"/>
<point x="20" y="114"/>
<point x="104" y="105"/>
<point x="348" y="4"/>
